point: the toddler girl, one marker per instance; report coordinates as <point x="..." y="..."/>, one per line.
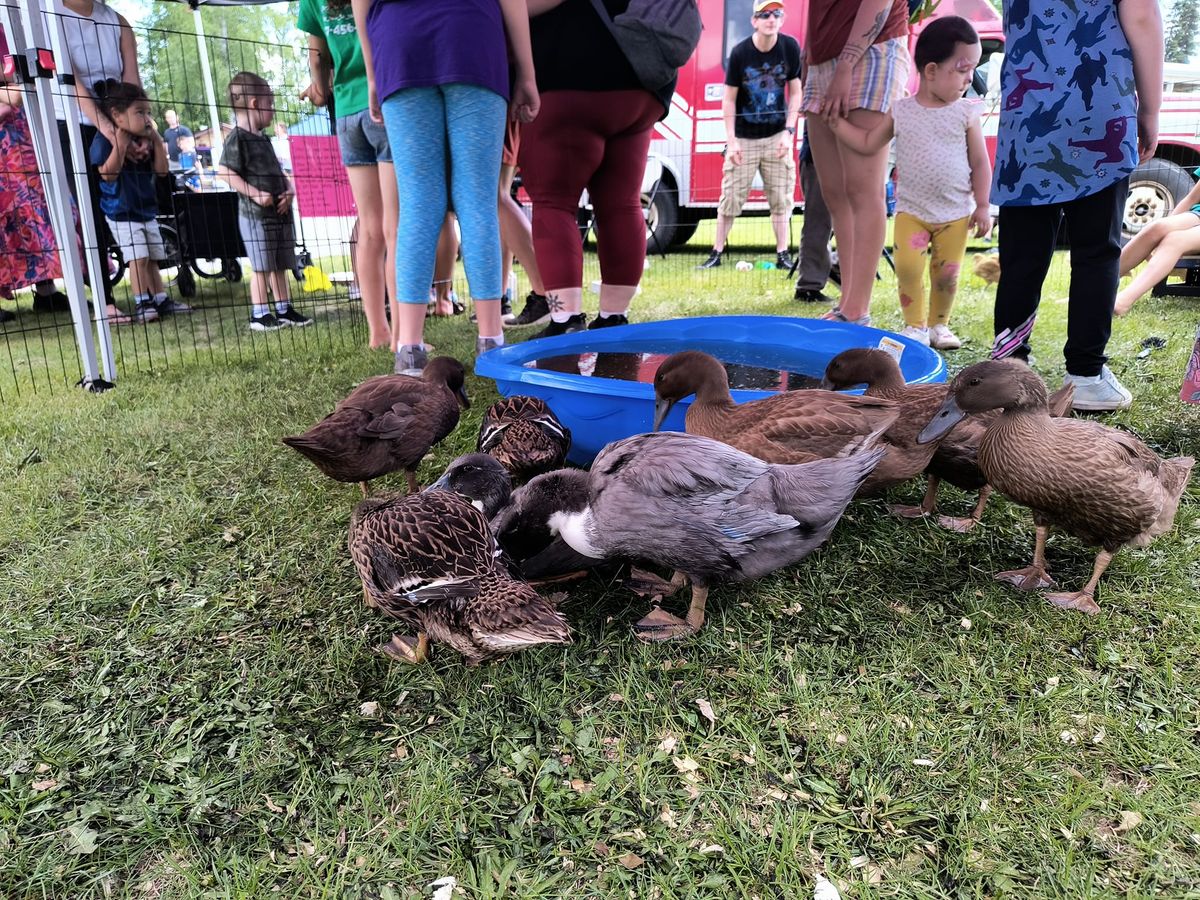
<point x="1167" y="239"/>
<point x="943" y="176"/>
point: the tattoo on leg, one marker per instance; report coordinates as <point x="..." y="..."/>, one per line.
<point x="555" y="303"/>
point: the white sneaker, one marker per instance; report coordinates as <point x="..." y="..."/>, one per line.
<point x="942" y="338"/>
<point x="1099" y="393"/>
<point x="916" y="333"/>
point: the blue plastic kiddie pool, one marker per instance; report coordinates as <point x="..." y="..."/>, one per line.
<point x="600" y="383"/>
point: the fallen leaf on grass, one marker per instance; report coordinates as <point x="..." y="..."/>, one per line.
<point x="1129" y="821"/>
<point x="712" y="850"/>
<point x="630" y="860"/>
<point x="667" y="744"/>
<point x="824" y="890"/>
<point x="686" y="764"/>
<point x="667" y="817"/>
<point x="928" y="763"/>
<point x="232" y="534"/>
<point x="81" y="839"/>
<point x="579" y="786"/>
<point x="601" y="849"/>
<point x="369" y="710"/>
<point x="273" y="806"/>
<point x="965" y="624"/>
<point x="46" y="785"/>
<point x="443" y="888"/>
<point x="706" y="710"/>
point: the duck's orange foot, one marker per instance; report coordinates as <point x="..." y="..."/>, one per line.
<point x="1076" y="600"/>
<point x="908" y="512"/>
<point x="1029" y="578"/>
<point x="961" y="524"/>
<point x="647" y="584"/>
<point x="406" y="649"/>
<point x="659" y="625"/>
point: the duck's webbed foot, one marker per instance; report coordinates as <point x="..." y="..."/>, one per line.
<point x="647" y="584"/>
<point x="407" y="649"/>
<point x="659" y="625"/>
<point x="928" y="504"/>
<point x="1029" y="578"/>
<point x="1077" y="600"/>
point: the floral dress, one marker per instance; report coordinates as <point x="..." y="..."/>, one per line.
<point x="27" y="244"/>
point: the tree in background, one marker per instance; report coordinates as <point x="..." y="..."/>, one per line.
<point x="1182" y="23"/>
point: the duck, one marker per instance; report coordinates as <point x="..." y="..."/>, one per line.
<point x="699" y="506"/>
<point x="1097" y="483"/>
<point x="954" y="457"/>
<point x="525" y="436"/>
<point x="387" y="423"/>
<point x="429" y="559"/>
<point x="986" y="266"/>
<point x="788" y="428"/>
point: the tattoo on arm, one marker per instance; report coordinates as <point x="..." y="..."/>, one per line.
<point x="877" y="25"/>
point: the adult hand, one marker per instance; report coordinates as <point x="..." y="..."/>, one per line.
<point x="373" y="102"/>
<point x="784" y="147"/>
<point x="836" y="103"/>
<point x="981" y="221"/>
<point x="1147" y="137"/>
<point x="734" y="151"/>
<point x="526" y="102"/>
<point x="313" y="94"/>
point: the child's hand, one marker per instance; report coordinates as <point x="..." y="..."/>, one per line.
<point x="284" y="204"/>
<point x="981" y="221"/>
<point x="525" y="101"/>
<point x="262" y="198"/>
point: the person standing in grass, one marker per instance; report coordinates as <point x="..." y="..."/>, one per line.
<point x="249" y="165"/>
<point x="942" y="176"/>
<point x="127" y="193"/>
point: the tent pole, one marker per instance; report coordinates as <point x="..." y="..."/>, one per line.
<point x="216" y="138"/>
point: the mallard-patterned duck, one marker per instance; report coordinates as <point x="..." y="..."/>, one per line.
<point x="525" y="436"/>
<point x="1102" y="485"/>
<point x="387" y="423"/>
<point x="954" y="457"/>
<point x="429" y="560"/>
<point x="699" y="506"/>
<point x="792" y="427"/>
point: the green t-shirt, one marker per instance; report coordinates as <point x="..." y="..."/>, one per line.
<point x="349" y="73"/>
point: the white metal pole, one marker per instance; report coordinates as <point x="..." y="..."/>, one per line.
<point x="214" y="122"/>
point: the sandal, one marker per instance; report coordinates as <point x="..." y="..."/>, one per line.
<point x="836" y="315"/>
<point x="116" y="317"/>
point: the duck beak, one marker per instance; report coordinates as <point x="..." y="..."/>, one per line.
<point x="943" y="420"/>
<point x="442" y="484"/>
<point x="463" y="399"/>
<point x="662" y="409"/>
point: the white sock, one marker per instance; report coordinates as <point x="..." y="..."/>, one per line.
<point x="160" y="297"/>
<point x="282" y="306"/>
<point x="498" y="339"/>
<point x="561" y="316"/>
<point x="258" y="310"/>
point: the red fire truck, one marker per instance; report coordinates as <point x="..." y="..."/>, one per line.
<point x="688" y="143"/>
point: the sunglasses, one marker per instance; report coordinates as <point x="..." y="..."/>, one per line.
<point x="769" y="14"/>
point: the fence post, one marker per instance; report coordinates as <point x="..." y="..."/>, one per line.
<point x="216" y="138"/>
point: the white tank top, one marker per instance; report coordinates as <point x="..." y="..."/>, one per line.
<point x="94" y="48"/>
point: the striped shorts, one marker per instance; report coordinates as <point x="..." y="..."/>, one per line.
<point x="878" y="82"/>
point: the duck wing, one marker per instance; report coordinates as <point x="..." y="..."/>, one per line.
<point x="510" y="615"/>
<point x="825" y="425"/>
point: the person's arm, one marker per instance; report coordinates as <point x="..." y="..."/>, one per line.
<point x="159" y="153"/>
<point x="729" y="113"/>
<point x="525" y="102"/>
<point x="1190" y="200"/>
<point x="981" y="178"/>
<point x="868" y="23"/>
<point x="242" y="186"/>
<point x="320" y="71"/>
<point x="787" y="139"/>
<point x="110" y="169"/>
<point x="361" y="8"/>
<point x="537" y="7"/>
<point x="860" y="139"/>
<point x="1141" y="21"/>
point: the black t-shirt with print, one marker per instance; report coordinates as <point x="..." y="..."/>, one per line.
<point x="761" y="79"/>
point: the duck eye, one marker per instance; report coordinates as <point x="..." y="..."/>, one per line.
<point x="975" y="381"/>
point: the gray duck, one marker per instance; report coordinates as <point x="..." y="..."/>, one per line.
<point x="1099" y="484"/>
<point x="699" y="506"/>
<point x="792" y="427"/>
<point x="429" y="560"/>
<point x="387" y="423"/>
<point x="525" y="436"/>
<point x="954" y="458"/>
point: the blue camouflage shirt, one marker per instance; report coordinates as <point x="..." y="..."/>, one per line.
<point x="1068" y="119"/>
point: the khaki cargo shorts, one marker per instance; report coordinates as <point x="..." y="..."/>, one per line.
<point x="778" y="175"/>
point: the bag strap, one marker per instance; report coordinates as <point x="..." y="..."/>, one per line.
<point x="602" y="11"/>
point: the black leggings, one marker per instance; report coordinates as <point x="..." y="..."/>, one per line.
<point x="1028" y="235"/>
<point x="93" y="177"/>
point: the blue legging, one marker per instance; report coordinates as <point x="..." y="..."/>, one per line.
<point x="422" y="123"/>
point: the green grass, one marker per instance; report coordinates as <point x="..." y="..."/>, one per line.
<point x="185" y="658"/>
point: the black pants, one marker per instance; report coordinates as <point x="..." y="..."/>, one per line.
<point x="1027" y="239"/>
<point x="93" y="177"/>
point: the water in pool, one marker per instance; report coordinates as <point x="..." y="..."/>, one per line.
<point x="641" y="366"/>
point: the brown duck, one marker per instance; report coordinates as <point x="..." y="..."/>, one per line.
<point x="954" y="459"/>
<point x="525" y="436"/>
<point x="792" y="427"/>
<point x="1102" y="485"/>
<point x="387" y="423"/>
<point x="429" y="560"/>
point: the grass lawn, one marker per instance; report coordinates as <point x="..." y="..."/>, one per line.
<point x="192" y="708"/>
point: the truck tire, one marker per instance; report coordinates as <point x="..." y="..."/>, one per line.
<point x="684" y="231"/>
<point x="1154" y="189"/>
<point x="662" y="218"/>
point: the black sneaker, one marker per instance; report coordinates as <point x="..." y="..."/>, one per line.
<point x="536" y="311"/>
<point x="785" y="261"/>
<point x="714" y="260"/>
<point x="607" y="322"/>
<point x="171" y="307"/>
<point x="53" y="302"/>
<point x="293" y="319"/>
<point x="6" y="316"/>
<point x="577" y="322"/>
<point x="811" y="295"/>
<point x="265" y="323"/>
<point x="506" y="313"/>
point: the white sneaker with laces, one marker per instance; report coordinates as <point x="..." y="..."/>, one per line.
<point x="942" y="338"/>
<point x="916" y="333"/>
<point x="1099" y="393"/>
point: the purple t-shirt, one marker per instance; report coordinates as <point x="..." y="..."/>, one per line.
<point x="423" y="43"/>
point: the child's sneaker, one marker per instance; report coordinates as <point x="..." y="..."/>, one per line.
<point x="410" y="360"/>
<point x="265" y="322"/>
<point x="170" y="307"/>
<point x="942" y="338"/>
<point x="916" y="333"/>
<point x="145" y="313"/>
<point x="291" y="318"/>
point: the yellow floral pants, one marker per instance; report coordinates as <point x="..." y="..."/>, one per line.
<point x="945" y="245"/>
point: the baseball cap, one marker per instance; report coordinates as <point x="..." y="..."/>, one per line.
<point x="760" y="5"/>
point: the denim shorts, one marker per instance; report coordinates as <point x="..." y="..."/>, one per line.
<point x="363" y="142"/>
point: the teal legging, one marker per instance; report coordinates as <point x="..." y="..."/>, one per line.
<point x="422" y="124"/>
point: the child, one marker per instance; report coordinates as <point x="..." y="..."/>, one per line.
<point x="249" y="165"/>
<point x="128" y="197"/>
<point x="943" y="176"/>
<point x="1163" y="243"/>
<point x="189" y="162"/>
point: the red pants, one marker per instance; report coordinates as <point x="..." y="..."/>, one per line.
<point x="598" y="141"/>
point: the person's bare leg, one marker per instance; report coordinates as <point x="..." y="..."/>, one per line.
<point x="1166" y="256"/>
<point x="567" y="300"/>
<point x="724" y="226"/>
<point x="615" y="299"/>
<point x="443" y="268"/>
<point x="408" y="327"/>
<point x="371" y="252"/>
<point x="390" y="205"/>
<point x="779" y="224"/>
<point x="280" y="287"/>
<point x="1141" y="245"/>
<point x="863" y="178"/>
<point x="828" y="160"/>
<point x="516" y="232"/>
<point x="258" y="288"/>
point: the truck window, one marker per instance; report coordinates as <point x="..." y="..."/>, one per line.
<point x="737" y="26"/>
